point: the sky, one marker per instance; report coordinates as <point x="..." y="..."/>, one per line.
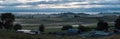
<point x="59" y="5"/>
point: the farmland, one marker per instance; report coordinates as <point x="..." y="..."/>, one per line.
<point x="54" y="24"/>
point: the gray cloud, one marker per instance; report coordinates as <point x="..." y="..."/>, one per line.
<point x="88" y="5"/>
<point x="91" y="2"/>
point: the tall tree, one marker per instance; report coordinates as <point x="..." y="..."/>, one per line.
<point x="7" y="20"/>
<point x="17" y="27"/>
<point x="117" y="23"/>
<point x="42" y="28"/>
<point x="1" y="25"/>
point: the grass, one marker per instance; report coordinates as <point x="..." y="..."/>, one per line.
<point x="4" y="34"/>
<point x="13" y="35"/>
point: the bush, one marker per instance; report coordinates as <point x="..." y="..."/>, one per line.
<point x="117" y="23"/>
<point x="82" y="28"/>
<point x="41" y="28"/>
<point x="1" y="25"/>
<point x="17" y="27"/>
<point x="102" y="25"/>
<point x="66" y="27"/>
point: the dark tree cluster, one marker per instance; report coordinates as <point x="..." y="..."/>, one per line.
<point x="17" y="27"/>
<point x="117" y="23"/>
<point x="42" y="28"/>
<point x="102" y="25"/>
<point x="7" y="20"/>
<point x="81" y="28"/>
<point x="1" y="25"/>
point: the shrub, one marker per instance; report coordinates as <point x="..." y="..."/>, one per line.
<point x="17" y="27"/>
<point x="41" y="28"/>
<point x="102" y="25"/>
<point x="82" y="28"/>
<point x="117" y="23"/>
<point x="66" y="27"/>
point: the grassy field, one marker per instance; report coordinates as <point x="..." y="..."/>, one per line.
<point x="47" y="27"/>
<point x="56" y="22"/>
<point x="14" y="35"/>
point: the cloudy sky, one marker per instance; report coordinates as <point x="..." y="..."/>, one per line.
<point x="59" y="5"/>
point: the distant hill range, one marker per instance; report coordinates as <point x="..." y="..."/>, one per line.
<point x="64" y="15"/>
<point x="112" y="13"/>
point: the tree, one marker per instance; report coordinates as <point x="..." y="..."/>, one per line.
<point x="7" y="20"/>
<point x="8" y="25"/>
<point x="81" y="28"/>
<point x="41" y="28"/>
<point x="1" y="25"/>
<point x="17" y="27"/>
<point x="117" y="23"/>
<point x="66" y="27"/>
<point x="102" y="25"/>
